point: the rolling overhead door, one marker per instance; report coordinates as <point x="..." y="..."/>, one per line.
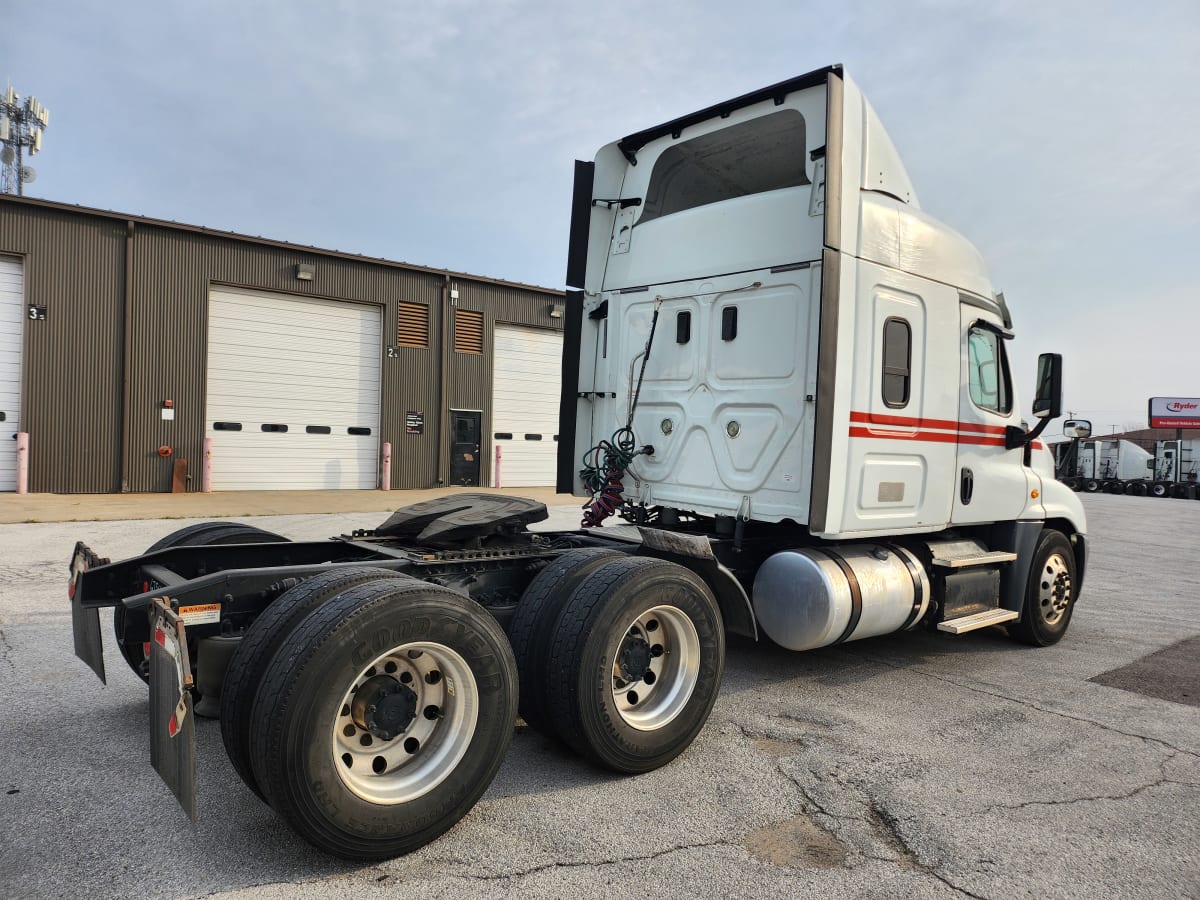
<point x="12" y="321"/>
<point x="293" y="392"/>
<point x="528" y="372"/>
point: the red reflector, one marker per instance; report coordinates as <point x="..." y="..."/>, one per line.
<point x="71" y="589"/>
<point x="146" y="648"/>
<point x="160" y="637"/>
<point x="173" y="726"/>
<point x="145" y="586"/>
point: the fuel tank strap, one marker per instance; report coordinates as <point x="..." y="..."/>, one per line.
<point x="855" y="594"/>
<point x="918" y="591"/>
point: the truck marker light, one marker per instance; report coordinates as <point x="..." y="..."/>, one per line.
<point x="1033" y="494"/>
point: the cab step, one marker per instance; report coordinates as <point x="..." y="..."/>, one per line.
<point x="977" y="620"/>
<point x="961" y="554"/>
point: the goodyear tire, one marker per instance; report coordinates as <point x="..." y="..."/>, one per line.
<point x="1050" y="592"/>
<point x="258" y="647"/>
<point x="132" y="633"/>
<point x="384" y="717"/>
<point x="635" y="663"/>
<point x="532" y="625"/>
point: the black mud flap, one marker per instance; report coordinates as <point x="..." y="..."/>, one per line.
<point x="85" y="623"/>
<point x="172" y="723"/>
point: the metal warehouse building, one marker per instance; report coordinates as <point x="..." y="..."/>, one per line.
<point x="126" y="341"/>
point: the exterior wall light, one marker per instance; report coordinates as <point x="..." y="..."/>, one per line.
<point x="305" y="272"/>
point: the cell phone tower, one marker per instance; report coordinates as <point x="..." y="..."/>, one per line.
<point x="22" y="122"/>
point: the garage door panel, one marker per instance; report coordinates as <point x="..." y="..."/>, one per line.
<point x="296" y="362"/>
<point x="526" y="379"/>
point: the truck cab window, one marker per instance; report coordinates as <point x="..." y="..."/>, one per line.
<point x="763" y="154"/>
<point x="990" y="385"/>
<point x="897" y="361"/>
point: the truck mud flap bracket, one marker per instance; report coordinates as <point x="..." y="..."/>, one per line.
<point x="172" y="722"/>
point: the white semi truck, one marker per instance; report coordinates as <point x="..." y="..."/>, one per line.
<point x="1176" y="469"/>
<point x="791" y="381"/>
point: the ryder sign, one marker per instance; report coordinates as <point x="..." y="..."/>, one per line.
<point x="1175" y="412"/>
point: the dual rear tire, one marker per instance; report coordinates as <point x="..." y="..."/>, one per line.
<point x="626" y="660"/>
<point x="383" y="717"/>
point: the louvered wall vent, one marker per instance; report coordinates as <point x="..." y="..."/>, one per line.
<point x="468" y="331"/>
<point x="413" y="328"/>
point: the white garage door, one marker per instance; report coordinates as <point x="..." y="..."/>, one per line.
<point x="293" y="392"/>
<point x="528" y="372"/>
<point x="12" y="323"/>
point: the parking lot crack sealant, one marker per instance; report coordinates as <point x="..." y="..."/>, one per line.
<point x="879" y="820"/>
<point x="979" y="689"/>
<point x="582" y="864"/>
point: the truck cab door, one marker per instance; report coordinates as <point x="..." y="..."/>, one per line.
<point x="991" y="483"/>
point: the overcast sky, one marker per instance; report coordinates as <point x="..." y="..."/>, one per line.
<point x="1062" y="138"/>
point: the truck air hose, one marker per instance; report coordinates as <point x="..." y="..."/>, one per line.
<point x="604" y="466"/>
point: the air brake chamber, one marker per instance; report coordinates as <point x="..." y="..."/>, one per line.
<point x="813" y="597"/>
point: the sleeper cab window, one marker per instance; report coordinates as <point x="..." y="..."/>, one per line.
<point x="753" y="157"/>
<point x="987" y="370"/>
<point x="897" y="362"/>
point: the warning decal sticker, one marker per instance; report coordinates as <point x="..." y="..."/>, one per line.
<point x="204" y="614"/>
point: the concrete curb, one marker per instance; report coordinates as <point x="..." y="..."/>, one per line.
<point x="18" y="508"/>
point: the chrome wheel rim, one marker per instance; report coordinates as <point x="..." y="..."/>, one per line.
<point x="656" y="668"/>
<point x="410" y="728"/>
<point x="1054" y="589"/>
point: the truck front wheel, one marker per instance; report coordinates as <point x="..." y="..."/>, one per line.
<point x="635" y="663"/>
<point x="1049" y="594"/>
<point x="383" y="717"/>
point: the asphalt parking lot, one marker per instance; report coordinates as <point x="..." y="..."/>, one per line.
<point x="909" y="765"/>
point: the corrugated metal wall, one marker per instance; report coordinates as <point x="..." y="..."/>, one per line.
<point x="75" y="267"/>
<point x="74" y="360"/>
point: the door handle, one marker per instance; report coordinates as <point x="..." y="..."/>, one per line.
<point x="967" y="486"/>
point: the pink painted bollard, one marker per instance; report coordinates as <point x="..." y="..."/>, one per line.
<point x="206" y="468"/>
<point x="22" y="462"/>
<point x="386" y="479"/>
<point x="496" y="478"/>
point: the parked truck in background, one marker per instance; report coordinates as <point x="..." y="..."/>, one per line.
<point x="789" y="380"/>
<point x="1123" y="467"/>
<point x="1176" y="469"/>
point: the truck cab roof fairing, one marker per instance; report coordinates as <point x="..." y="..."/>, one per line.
<point x="631" y="144"/>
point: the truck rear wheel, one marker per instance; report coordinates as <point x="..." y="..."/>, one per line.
<point x="635" y="663"/>
<point x="384" y="717"/>
<point x="1091" y="485"/>
<point x="532" y="625"/>
<point x="259" y="645"/>
<point x="1049" y="594"/>
<point x="1160" y="489"/>
<point x="131" y="633"/>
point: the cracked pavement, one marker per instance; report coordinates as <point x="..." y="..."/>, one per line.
<point x="912" y="765"/>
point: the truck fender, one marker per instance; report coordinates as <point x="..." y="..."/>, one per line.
<point x="736" y="609"/>
<point x="695" y="553"/>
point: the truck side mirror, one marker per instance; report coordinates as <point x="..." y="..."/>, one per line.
<point x="1077" y="428"/>
<point x="1149" y="464"/>
<point x="1047" y="402"/>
